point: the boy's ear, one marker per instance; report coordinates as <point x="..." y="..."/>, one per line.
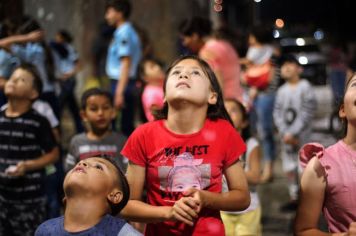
<point x="213" y="98"/>
<point x="115" y="196"/>
<point x="34" y="94"/>
<point x="83" y="115"/>
<point x="113" y="113"/>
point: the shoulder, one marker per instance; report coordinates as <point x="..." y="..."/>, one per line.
<point x="50" y="227"/>
<point x="79" y="137"/>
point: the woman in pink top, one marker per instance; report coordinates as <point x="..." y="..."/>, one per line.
<point x="328" y="183"/>
<point x="217" y="51"/>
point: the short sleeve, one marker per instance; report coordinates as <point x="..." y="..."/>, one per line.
<point x="134" y="149"/>
<point x="308" y="151"/>
<point x="128" y="230"/>
<point x="235" y="147"/>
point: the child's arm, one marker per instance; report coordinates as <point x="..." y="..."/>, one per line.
<point x="25" y="166"/>
<point x="236" y="199"/>
<point x="253" y="175"/>
<point x="313" y="186"/>
<point x="136" y="210"/>
<point x="21" y="38"/>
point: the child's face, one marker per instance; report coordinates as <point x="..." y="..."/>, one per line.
<point x="152" y="71"/>
<point x="184" y="179"/>
<point x="187" y="81"/>
<point x="20" y="85"/>
<point x="290" y="70"/>
<point x="235" y="114"/>
<point x="94" y="175"/>
<point x="98" y="112"/>
<point x="112" y="16"/>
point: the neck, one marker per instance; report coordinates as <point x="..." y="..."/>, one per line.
<point x="97" y="134"/>
<point x="82" y="213"/>
<point x="187" y="120"/>
<point x="119" y="23"/>
<point x="294" y="80"/>
<point x="18" y="107"/>
<point x="350" y="138"/>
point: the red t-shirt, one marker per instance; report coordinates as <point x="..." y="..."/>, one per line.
<point x="177" y="162"/>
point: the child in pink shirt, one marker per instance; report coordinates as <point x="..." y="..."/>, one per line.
<point x="152" y="96"/>
<point x="328" y="183"/>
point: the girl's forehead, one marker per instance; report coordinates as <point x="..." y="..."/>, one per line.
<point x="188" y="63"/>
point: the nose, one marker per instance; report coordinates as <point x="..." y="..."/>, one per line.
<point x="184" y="75"/>
<point x="83" y="163"/>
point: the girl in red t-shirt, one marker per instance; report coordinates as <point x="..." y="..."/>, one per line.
<point x="180" y="158"/>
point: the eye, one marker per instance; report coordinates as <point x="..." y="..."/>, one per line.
<point x="98" y="166"/>
<point x="196" y="72"/>
<point x="175" y="72"/>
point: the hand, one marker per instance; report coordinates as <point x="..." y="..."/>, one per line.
<point x="35" y="35"/>
<point x="18" y="170"/>
<point x="352" y="229"/>
<point x="185" y="210"/>
<point x="196" y="194"/>
<point x="119" y="101"/>
<point x="290" y="139"/>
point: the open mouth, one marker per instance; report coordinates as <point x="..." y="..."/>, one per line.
<point x="79" y="169"/>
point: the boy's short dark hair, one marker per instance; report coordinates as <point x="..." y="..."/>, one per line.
<point x="289" y="58"/>
<point x="37" y="82"/>
<point x="95" y="92"/>
<point x="199" y="25"/>
<point x="123" y="6"/>
<point x="123" y="185"/>
<point x="65" y="35"/>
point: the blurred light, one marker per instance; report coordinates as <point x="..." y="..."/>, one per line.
<point x="279" y="23"/>
<point x="257" y="1"/>
<point x="218" y="1"/>
<point x="300" y="41"/>
<point x="218" y="7"/>
<point x="276" y="34"/>
<point x="303" y="60"/>
<point x="319" y="35"/>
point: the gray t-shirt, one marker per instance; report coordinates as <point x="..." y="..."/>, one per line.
<point x="81" y="147"/>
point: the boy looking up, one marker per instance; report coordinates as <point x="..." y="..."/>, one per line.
<point x="27" y="146"/>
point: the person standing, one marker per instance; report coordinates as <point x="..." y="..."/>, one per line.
<point x="124" y="55"/>
<point x="292" y="114"/>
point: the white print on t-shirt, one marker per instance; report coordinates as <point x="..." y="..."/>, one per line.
<point x="185" y="173"/>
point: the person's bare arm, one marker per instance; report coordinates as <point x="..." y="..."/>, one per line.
<point x="24" y="166"/>
<point x="236" y="199"/>
<point x="313" y="184"/>
<point x="253" y="175"/>
<point x="122" y="82"/>
<point x="21" y="38"/>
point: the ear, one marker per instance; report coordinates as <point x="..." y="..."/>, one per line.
<point x="244" y="124"/>
<point x="342" y="113"/>
<point x="113" y="113"/>
<point x="115" y="196"/>
<point x="213" y="98"/>
<point x="34" y="94"/>
<point x="83" y="115"/>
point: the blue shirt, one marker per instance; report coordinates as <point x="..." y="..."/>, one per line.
<point x="65" y="64"/>
<point x="8" y="62"/>
<point x="108" y="226"/>
<point x="125" y="43"/>
<point x="35" y="54"/>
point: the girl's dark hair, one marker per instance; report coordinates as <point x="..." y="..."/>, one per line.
<point x="95" y="92"/>
<point x="245" y="132"/>
<point x="67" y="37"/>
<point x="215" y="111"/>
<point x="198" y="25"/>
<point x="123" y="186"/>
<point x="123" y="6"/>
<point x="37" y="82"/>
<point x="29" y="24"/>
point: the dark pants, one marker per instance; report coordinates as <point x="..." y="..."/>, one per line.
<point x="67" y="97"/>
<point x="127" y="121"/>
<point x="20" y="219"/>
